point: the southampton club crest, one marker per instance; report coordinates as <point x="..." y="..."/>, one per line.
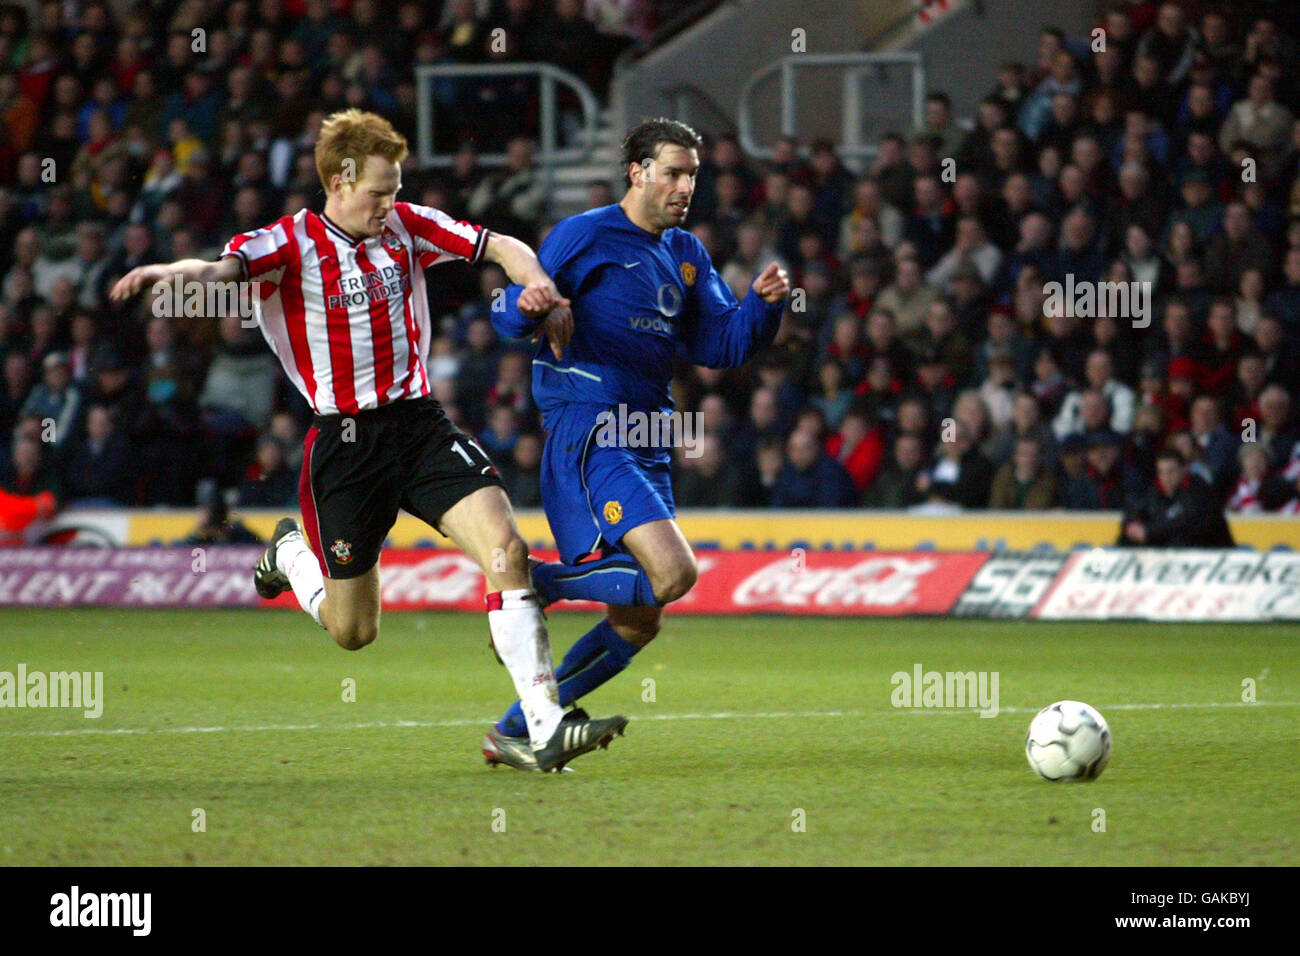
<point x="392" y="244"/>
<point x="342" y="551"/>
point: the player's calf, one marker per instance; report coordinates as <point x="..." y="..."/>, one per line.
<point x="638" y="626"/>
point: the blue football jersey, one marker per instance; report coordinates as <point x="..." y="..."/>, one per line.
<point x="639" y="301"/>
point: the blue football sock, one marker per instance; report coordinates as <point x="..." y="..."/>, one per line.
<point x="596" y="657"/>
<point x="614" y="579"/>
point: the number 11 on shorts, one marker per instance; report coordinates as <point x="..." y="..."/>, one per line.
<point x="455" y="446"/>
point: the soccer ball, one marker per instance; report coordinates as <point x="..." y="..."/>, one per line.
<point x="1068" y="741"/>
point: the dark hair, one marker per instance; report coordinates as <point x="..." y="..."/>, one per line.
<point x="646" y="138"/>
<point x="1170" y="453"/>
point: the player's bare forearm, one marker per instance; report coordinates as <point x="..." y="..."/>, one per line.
<point x="198" y="270"/>
<point x="540" y="295"/>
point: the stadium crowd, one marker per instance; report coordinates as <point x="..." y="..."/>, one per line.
<point x="918" y="365"/>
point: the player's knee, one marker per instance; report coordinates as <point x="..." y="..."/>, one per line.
<point x="677" y="581"/>
<point x="355" y="636"/>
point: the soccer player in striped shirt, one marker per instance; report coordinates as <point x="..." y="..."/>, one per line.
<point x="341" y="299"/>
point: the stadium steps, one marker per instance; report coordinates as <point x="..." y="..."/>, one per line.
<point x="570" y="181"/>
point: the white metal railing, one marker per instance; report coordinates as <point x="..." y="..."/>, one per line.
<point x="549" y="153"/>
<point x="854" y="68"/>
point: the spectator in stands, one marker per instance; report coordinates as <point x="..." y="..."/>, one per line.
<point x="501" y="433"/>
<point x="940" y="124"/>
<point x="1099" y="377"/>
<point x="523" y="471"/>
<point x="1285" y="301"/>
<point x="114" y="383"/>
<point x="1271" y="346"/>
<point x="13" y="391"/>
<point x="942" y="353"/>
<point x="30" y="471"/>
<point x="893" y="172"/>
<point x="836" y="396"/>
<point x="1107" y="482"/>
<point x="869" y="203"/>
<point x="1275" y="429"/>
<point x="1239" y="247"/>
<point x="85" y="338"/>
<point x="1254" y="465"/>
<point x="859" y="446"/>
<point x="166" y="431"/>
<point x="1179" y="511"/>
<point x="100" y="471"/>
<point x="237" y="395"/>
<point x="216" y="526"/>
<point x="1026" y="482"/>
<point x="270" y="483"/>
<point x="1172" y="42"/>
<point x="932" y="223"/>
<point x="1216" y="444"/>
<point x="1262" y="122"/>
<point x="55" y="401"/>
<point x="511" y="198"/>
<point x="705" y="481"/>
<point x="897" y="486"/>
<point x="961" y="474"/>
<point x="908" y="298"/>
<point x="752" y="250"/>
<point x="809" y="478"/>
<point x="477" y="371"/>
<point x="971" y="248"/>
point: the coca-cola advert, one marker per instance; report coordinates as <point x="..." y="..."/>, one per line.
<point x="784" y="582"/>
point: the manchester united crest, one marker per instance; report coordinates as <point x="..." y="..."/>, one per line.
<point x="613" y="512"/>
<point x="688" y="273"/>
<point x="342" y="551"/>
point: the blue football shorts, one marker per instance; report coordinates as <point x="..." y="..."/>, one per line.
<point x="594" y="495"/>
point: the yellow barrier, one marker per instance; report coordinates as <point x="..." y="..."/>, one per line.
<point x="782" y="530"/>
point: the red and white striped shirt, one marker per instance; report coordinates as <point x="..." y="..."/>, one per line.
<point x="349" y="318"/>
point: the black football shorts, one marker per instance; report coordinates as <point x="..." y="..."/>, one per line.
<point x="358" y="470"/>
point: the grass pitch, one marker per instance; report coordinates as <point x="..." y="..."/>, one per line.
<point x="749" y="720"/>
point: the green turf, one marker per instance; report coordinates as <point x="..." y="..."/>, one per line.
<point x="289" y="773"/>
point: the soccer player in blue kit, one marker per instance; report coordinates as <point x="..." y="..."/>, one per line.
<point x="643" y="292"/>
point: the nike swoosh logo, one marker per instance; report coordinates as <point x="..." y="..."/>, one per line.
<point x="631" y="265"/>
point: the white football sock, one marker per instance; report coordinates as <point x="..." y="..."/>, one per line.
<point x="520" y="638"/>
<point x="295" y="559"/>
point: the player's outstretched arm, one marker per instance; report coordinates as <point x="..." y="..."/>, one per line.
<point x="539" y="295"/>
<point x="725" y="333"/>
<point x="199" y="270"/>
